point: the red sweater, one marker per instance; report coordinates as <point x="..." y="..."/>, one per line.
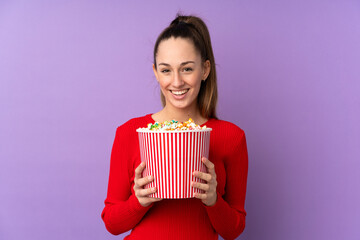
<point x="178" y="218"/>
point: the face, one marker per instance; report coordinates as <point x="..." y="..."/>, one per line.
<point x="179" y="72"/>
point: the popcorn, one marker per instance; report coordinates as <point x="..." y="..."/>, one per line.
<point x="174" y="126"/>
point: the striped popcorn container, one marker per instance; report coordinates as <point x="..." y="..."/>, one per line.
<point x="171" y="157"/>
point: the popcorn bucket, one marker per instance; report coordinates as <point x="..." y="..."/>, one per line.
<point x="171" y="157"/>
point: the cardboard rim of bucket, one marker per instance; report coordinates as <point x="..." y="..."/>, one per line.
<point x="172" y="131"/>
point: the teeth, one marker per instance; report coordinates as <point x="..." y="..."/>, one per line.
<point x="180" y="92"/>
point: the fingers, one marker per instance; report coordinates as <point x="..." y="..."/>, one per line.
<point x="147" y="201"/>
<point x="157" y="199"/>
<point x="145" y="192"/>
<point x="208" y="198"/>
<point x="140" y="182"/>
<point x="204" y="176"/>
<point x="143" y="196"/>
<point x="141" y="193"/>
<point x="211" y="175"/>
<point x="201" y="186"/>
<point x="139" y="170"/>
<point x="209" y="165"/>
<point x="151" y="200"/>
<point x="202" y="196"/>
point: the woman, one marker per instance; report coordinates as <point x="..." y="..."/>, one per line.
<point x="184" y="66"/>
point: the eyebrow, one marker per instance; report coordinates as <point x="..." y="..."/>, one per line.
<point x="182" y="64"/>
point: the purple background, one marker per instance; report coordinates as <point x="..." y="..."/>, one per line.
<point x="72" y="71"/>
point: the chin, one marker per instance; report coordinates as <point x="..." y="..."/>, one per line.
<point x="181" y="105"/>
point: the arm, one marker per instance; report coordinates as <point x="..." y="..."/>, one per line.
<point x="228" y="215"/>
<point x="122" y="209"/>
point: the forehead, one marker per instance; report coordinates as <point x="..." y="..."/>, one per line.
<point x="177" y="50"/>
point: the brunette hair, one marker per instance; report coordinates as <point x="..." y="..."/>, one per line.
<point x="193" y="28"/>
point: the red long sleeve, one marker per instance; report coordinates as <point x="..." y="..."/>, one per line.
<point x="178" y="218"/>
<point x="123" y="211"/>
<point x="228" y="215"/>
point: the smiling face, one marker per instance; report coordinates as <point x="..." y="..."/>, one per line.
<point x="179" y="71"/>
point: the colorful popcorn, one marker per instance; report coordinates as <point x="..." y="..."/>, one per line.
<point x="174" y="126"/>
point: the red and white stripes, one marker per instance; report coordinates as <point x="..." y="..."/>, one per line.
<point x="171" y="157"/>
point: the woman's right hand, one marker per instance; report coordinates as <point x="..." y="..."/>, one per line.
<point x="140" y="192"/>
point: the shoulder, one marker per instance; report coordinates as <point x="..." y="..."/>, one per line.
<point x="132" y="124"/>
<point x="226" y="134"/>
<point x="228" y="140"/>
<point x="226" y="129"/>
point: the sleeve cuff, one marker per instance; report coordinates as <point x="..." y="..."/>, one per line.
<point x="218" y="203"/>
<point x="136" y="206"/>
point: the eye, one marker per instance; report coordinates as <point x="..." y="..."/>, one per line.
<point x="187" y="69"/>
<point x="165" y="70"/>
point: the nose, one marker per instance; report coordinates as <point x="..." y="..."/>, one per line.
<point x="177" y="80"/>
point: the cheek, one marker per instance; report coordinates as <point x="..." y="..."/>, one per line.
<point x="164" y="84"/>
<point x="163" y="81"/>
<point x="196" y="82"/>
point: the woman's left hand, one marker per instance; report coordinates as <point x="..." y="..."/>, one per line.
<point x="210" y="196"/>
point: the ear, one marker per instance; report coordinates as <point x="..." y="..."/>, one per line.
<point x="155" y="72"/>
<point x="206" y="69"/>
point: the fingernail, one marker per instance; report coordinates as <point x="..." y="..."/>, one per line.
<point x="149" y="177"/>
<point x="153" y="189"/>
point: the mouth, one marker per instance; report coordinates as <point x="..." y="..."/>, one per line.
<point x="180" y="92"/>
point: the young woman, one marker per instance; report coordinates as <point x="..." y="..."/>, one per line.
<point x="184" y="67"/>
